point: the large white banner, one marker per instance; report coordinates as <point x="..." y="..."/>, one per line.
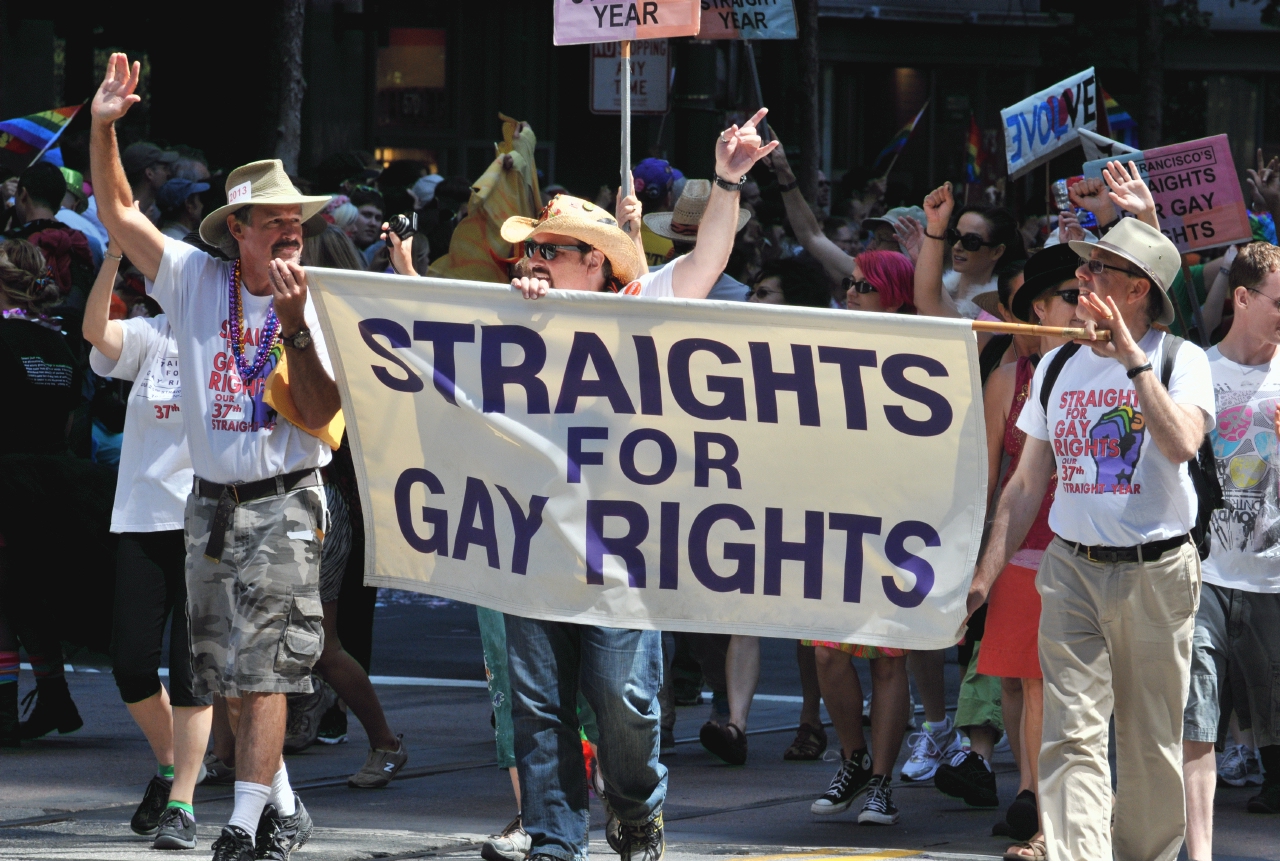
<point x="697" y="466"/>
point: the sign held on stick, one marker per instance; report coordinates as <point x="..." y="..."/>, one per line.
<point x="580" y="22"/>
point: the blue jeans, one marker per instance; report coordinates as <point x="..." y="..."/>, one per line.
<point x="619" y="672"/>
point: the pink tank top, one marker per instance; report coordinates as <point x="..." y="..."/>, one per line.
<point x="1039" y="536"/>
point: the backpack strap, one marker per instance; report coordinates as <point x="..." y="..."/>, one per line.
<point x="1172" y="343"/>
<point x="1051" y="373"/>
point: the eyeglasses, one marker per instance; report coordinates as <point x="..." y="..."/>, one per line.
<point x="1070" y="296"/>
<point x="1096" y="266"/>
<point x="1265" y="296"/>
<point x="549" y="251"/>
<point x="969" y="241"/>
<point x="860" y="287"/>
<point x="763" y="292"/>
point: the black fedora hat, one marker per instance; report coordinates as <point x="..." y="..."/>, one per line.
<point x="1045" y="270"/>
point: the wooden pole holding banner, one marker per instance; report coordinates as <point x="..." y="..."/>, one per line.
<point x="1072" y="332"/>
<point x="625" y="55"/>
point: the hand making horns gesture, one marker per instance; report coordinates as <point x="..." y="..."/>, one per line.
<point x="739" y="148"/>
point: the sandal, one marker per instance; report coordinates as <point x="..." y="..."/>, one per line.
<point x="1035" y="844"/>
<point x="809" y="744"/>
<point x="727" y="742"/>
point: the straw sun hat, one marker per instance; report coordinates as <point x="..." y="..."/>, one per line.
<point x="585" y="222"/>
<point x="681" y="224"/>
<point x="1148" y="249"/>
<point x="261" y="183"/>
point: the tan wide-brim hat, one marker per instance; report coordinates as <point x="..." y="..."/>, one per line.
<point x="681" y="224"/>
<point x="261" y="183"/>
<point x="586" y="222"/>
<point x="1145" y="247"/>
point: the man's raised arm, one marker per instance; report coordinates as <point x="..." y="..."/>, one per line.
<point x="138" y="237"/>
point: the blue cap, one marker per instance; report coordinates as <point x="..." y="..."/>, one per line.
<point x="175" y="192"/>
<point x="654" y="178"/>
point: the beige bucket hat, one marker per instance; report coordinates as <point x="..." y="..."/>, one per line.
<point x="1145" y="247"/>
<point x="681" y="224"/>
<point x="265" y="183"/>
<point x="586" y="222"/>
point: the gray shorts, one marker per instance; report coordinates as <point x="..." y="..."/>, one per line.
<point x="256" y="619"/>
<point x="1235" y="666"/>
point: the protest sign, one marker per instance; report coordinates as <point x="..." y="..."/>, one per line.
<point x="1199" y="203"/>
<point x="650" y="77"/>
<point x="661" y="463"/>
<point x="748" y="19"/>
<point x="581" y="21"/>
<point x="1040" y="126"/>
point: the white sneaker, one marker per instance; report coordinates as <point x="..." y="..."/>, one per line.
<point x="929" y="748"/>
<point x="1240" y="766"/>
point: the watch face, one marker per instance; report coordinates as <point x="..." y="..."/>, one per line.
<point x="301" y="340"/>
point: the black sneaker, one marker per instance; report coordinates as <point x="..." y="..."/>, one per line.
<point x="234" y="844"/>
<point x="279" y="835"/>
<point x="850" y="782"/>
<point x="879" y="808"/>
<point x="967" y="777"/>
<point x="177" y="830"/>
<point x="641" y="842"/>
<point x="302" y="724"/>
<point x="1023" y="816"/>
<point x="146" y="819"/>
<point x="1266" y="801"/>
<point x="333" y="726"/>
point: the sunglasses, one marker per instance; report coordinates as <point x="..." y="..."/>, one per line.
<point x="969" y="241"/>
<point x="549" y="251"/>
<point x="860" y="287"/>
<point x="1070" y="296"/>
<point x="1096" y="267"/>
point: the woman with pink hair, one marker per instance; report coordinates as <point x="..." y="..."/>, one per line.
<point x="881" y="281"/>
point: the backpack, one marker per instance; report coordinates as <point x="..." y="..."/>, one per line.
<point x="1202" y="469"/>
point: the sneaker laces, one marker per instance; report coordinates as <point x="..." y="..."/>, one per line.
<point x="646" y="837"/>
<point x="878" y="795"/>
<point x="27" y="705"/>
<point x="923" y="746"/>
<point x="1233" y="757"/>
<point x="841" y="781"/>
<point x="512" y="827"/>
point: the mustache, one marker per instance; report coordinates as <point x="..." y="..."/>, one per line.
<point x="286" y="243"/>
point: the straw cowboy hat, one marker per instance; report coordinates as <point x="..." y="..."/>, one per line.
<point x="1145" y="247"/>
<point x="681" y="224"/>
<point x="585" y="222"/>
<point x="261" y="183"/>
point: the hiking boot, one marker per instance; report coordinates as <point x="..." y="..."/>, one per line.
<point x="379" y="767"/>
<point x="1266" y="801"/>
<point x="279" y="835"/>
<point x="234" y="844"/>
<point x="146" y="819"/>
<point x="929" y="748"/>
<point x="217" y="772"/>
<point x="333" y="726"/>
<point x="177" y="830"/>
<point x="1023" y="816"/>
<point x="9" y="732"/>
<point x="53" y="709"/>
<point x="302" y="726"/>
<point x="849" y="784"/>
<point x="969" y="778"/>
<point x="513" y="844"/>
<point x="725" y="741"/>
<point x="641" y="842"/>
<point x="878" y="809"/>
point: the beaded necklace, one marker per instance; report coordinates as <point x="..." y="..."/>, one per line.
<point x="268" y="344"/>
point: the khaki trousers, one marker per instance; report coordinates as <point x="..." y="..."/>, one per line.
<point x="1114" y="639"/>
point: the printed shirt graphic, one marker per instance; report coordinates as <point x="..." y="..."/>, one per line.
<point x="233" y="435"/>
<point x="1246" y="531"/>
<point x="1115" y="487"/>
<point x="155" y="465"/>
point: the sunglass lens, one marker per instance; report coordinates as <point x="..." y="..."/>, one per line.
<point x="1071" y="297"/>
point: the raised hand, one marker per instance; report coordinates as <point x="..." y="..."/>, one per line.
<point x="116" y="95"/>
<point x="1091" y="196"/>
<point x="1265" y="182"/>
<point x="777" y="162"/>
<point x="937" y="208"/>
<point x="401" y="251"/>
<point x="1069" y="227"/>
<point x="1129" y="192"/>
<point x="910" y="236"/>
<point x="628" y="211"/>
<point x="739" y="148"/>
<point x="288" y="295"/>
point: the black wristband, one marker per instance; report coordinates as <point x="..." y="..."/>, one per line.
<point x="1133" y="372"/>
<point x="789" y="186"/>
<point x="942" y="238"/>
<point x="731" y="186"/>
<point x="1103" y="228"/>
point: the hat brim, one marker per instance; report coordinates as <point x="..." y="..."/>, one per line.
<point x="620" y="250"/>
<point x="1082" y="248"/>
<point x="660" y="223"/>
<point x="1034" y="288"/>
<point x="213" y="228"/>
<point x="988" y="301"/>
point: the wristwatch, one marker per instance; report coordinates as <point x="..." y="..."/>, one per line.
<point x="731" y="186"/>
<point x="300" y="339"/>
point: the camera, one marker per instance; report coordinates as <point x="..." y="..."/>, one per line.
<point x="402" y="225"/>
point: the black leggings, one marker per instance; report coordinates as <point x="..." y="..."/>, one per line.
<point x="151" y="581"/>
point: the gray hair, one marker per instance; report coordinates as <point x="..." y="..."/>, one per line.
<point x="229" y="246"/>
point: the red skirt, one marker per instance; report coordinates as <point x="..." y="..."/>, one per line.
<point x="1010" y="645"/>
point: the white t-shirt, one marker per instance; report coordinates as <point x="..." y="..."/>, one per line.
<point x="964" y="302"/>
<point x="1115" y="487"/>
<point x="232" y="434"/>
<point x="1245" y="553"/>
<point x="658" y="282"/>
<point x="155" y="466"/>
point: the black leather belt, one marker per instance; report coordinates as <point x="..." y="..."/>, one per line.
<point x="231" y="495"/>
<point x="1148" y="552"/>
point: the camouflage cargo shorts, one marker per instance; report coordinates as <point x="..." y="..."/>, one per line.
<point x="256" y="619"/>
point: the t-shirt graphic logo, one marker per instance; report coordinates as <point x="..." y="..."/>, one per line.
<point x="1120" y="432"/>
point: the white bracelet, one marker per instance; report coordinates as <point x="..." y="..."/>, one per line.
<point x="116" y="257"/>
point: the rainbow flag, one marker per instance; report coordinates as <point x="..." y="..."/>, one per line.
<point x="974" y="157"/>
<point x="1114" y="122"/>
<point x="899" y="141"/>
<point x="35" y="134"/>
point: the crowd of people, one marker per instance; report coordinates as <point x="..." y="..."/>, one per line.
<point x="171" y="385"/>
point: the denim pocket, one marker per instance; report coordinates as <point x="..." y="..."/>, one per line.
<point x="303" y="637"/>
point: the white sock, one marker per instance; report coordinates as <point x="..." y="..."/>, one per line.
<point x="282" y="792"/>
<point x="939" y="727"/>
<point x="250" y="799"/>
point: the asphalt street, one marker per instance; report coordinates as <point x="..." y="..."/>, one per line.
<point x="70" y="797"/>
